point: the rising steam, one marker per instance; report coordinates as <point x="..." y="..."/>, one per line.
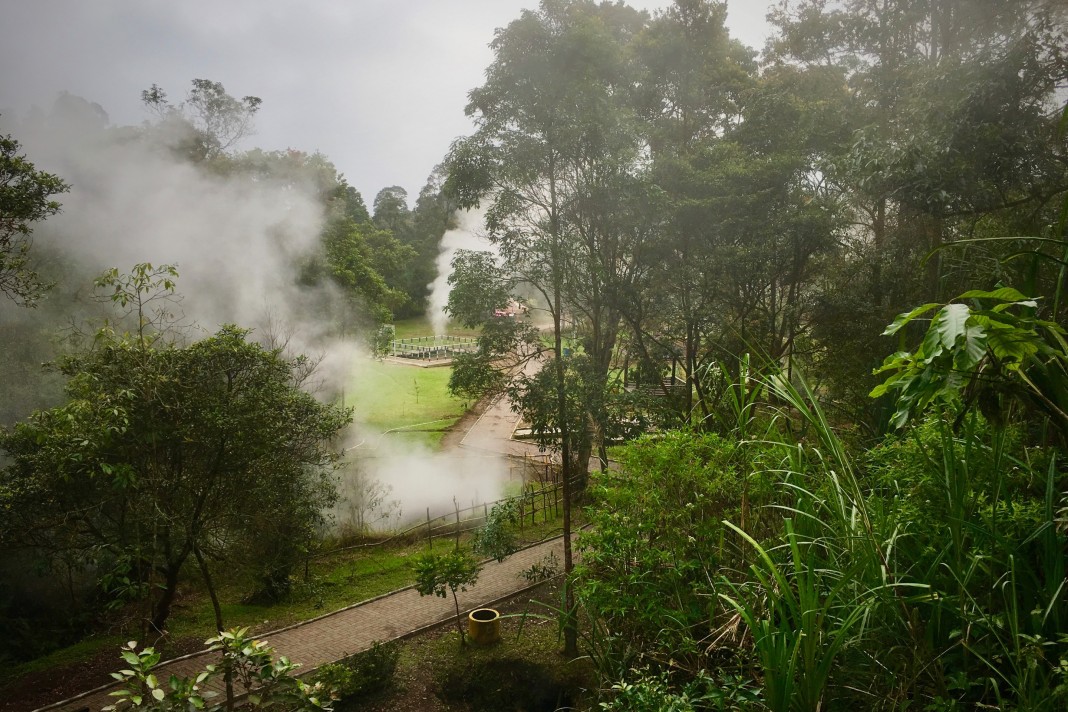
<point x="467" y="235"/>
<point x="238" y="243"/>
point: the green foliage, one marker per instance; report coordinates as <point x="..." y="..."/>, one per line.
<point x="25" y="199"/>
<point x="479" y="285"/>
<point x="931" y="571"/>
<point x="649" y="692"/>
<point x="800" y="618"/>
<point x="497" y="538"/>
<point x="441" y="574"/>
<point x="360" y="676"/>
<point x="264" y="680"/>
<point x="976" y="515"/>
<point x="649" y="560"/>
<point x="989" y="354"/>
<point x="544" y="570"/>
<point x="161" y="449"/>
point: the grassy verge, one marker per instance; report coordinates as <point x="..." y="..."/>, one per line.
<point x="334" y="581"/>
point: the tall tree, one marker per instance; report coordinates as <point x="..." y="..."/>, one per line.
<point x="691" y="74"/>
<point x="391" y="210"/>
<point x="953" y="114"/>
<point x="207" y="123"/>
<point x="550" y="125"/>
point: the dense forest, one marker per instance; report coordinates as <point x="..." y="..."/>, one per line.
<point x="826" y="518"/>
<point x="804" y="306"/>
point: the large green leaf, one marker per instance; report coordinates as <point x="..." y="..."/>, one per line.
<point x="973" y="348"/>
<point x="904" y="318"/>
<point x="950" y="323"/>
<point x="1005" y="294"/>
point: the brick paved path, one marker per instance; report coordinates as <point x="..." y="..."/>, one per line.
<point x="353" y="629"/>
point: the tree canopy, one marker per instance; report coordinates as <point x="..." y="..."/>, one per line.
<point x="25" y="198"/>
<point x="164" y="450"/>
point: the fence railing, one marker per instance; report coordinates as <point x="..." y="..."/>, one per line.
<point x="541" y="498"/>
<point x="430" y="348"/>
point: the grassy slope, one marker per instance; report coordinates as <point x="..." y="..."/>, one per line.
<point x="388" y="396"/>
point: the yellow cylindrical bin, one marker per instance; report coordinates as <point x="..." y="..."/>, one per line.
<point x="484" y="626"/>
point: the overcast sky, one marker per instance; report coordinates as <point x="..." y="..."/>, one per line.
<point x="378" y="86"/>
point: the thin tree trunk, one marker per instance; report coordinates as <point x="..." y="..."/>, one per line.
<point x="570" y="630"/>
<point x="459" y="625"/>
<point x="228" y="674"/>
<point x="211" y="587"/>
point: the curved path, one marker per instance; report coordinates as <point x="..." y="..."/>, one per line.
<point x="350" y="630"/>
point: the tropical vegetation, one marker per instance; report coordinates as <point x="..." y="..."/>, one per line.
<point x="812" y="300"/>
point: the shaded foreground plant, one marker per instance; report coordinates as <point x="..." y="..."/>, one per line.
<point x="926" y="572"/>
<point x="265" y="681"/>
<point x="360" y="675"/>
<point x="800" y="618"/>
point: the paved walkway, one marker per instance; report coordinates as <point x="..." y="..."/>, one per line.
<point x="396" y="615"/>
<point x="353" y="629"/>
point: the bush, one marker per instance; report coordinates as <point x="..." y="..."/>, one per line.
<point x="657" y="544"/>
<point x="361" y="675"/>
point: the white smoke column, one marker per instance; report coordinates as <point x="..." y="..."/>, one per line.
<point x="238" y="241"/>
<point x="467" y="235"/>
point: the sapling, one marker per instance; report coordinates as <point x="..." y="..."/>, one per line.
<point x="439" y="574"/>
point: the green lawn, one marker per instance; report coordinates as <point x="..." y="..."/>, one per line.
<point x="416" y="400"/>
<point x="388" y="396"/>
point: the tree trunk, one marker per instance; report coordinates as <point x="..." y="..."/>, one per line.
<point x="228" y="674"/>
<point x="162" y="609"/>
<point x="459" y="624"/>
<point x="570" y="631"/>
<point x="211" y="587"/>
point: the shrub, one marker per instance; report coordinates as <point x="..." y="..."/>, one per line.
<point x="361" y="675"/>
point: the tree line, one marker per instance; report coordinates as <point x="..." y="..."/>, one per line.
<point x="667" y="197"/>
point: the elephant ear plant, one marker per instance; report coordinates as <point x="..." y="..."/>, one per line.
<point x="987" y="348"/>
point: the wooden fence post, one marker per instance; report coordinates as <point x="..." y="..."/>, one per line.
<point x="457" y="506"/>
<point x="429" y="535"/>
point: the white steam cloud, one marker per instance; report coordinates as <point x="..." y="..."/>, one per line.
<point x="467" y="235"/>
<point x="238" y="242"/>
